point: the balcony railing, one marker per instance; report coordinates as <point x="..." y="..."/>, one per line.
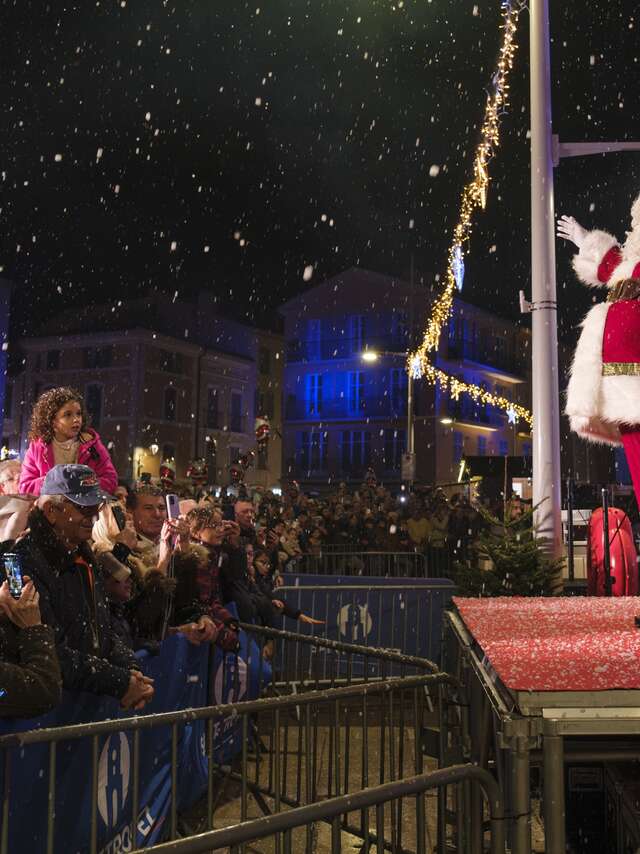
<point x="306" y="410"/>
<point x="483" y="353"/>
<point x="343" y="348"/>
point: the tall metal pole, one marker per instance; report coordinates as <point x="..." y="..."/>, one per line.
<point x="545" y="391"/>
<point x="410" y="434"/>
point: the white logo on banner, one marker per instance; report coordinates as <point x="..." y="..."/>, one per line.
<point x="113" y="778"/>
<point x="230" y="684"/>
<point x="355" y="622"/>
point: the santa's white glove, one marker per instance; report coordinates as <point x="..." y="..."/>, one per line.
<point x="571" y="230"/>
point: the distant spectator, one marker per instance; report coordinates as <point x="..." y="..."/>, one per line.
<point x="56" y="554"/>
<point x="419" y="527"/>
<point x="263" y="578"/>
<point x="10" y="477"/>
<point x="121" y="493"/>
<point x="60" y="435"/>
<point x="30" y="678"/>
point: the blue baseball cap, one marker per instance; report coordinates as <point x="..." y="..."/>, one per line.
<point x="79" y="484"/>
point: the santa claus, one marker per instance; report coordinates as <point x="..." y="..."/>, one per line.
<point x="603" y="396"/>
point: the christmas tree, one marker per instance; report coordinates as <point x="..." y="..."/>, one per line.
<point x="507" y="559"/>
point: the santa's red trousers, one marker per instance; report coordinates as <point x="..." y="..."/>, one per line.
<point x="630" y="435"/>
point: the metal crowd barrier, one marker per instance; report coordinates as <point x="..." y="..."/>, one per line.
<point x="280" y="752"/>
<point x="389" y="613"/>
<point x="335" y="811"/>
<point x="356" y="562"/>
<point x="301" y="662"/>
<point x="430" y="563"/>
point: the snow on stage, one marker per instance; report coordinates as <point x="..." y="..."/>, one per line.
<point x="558" y="644"/>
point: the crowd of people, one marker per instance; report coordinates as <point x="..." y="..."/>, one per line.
<point x="105" y="572"/>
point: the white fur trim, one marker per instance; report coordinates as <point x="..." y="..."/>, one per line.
<point x="595" y="246"/>
<point x="635" y="214"/>
<point x="585" y="388"/>
<point x="620" y="399"/>
<point x="595" y="430"/>
<point x="624" y="269"/>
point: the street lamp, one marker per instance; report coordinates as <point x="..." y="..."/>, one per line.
<point x="371" y="356"/>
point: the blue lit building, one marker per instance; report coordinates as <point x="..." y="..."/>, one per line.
<point x="343" y="414"/>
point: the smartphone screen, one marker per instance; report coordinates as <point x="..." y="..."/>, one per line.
<point x="173" y="506"/>
<point x="13" y="570"/>
<point x="119" y="516"/>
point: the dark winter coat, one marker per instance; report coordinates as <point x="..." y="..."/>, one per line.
<point x="264" y="584"/>
<point x="30" y="678"/>
<point x="73" y="602"/>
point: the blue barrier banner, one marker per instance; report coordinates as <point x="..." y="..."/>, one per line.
<point x="236" y="677"/>
<point x="180" y="674"/>
<point x="184" y="676"/>
<point x="395" y="613"/>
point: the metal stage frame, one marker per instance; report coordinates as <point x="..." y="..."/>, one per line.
<point x="510" y="731"/>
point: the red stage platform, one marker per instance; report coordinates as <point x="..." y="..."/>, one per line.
<point x="559" y="643"/>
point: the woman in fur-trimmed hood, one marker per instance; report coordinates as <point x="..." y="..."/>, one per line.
<point x="603" y="395"/>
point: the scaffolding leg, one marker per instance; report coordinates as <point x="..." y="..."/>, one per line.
<point x="521" y="803"/>
<point x="553" y="794"/>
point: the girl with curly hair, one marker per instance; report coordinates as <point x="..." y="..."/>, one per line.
<point x="60" y="435"/>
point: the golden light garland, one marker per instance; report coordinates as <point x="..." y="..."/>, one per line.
<point x="474" y="196"/>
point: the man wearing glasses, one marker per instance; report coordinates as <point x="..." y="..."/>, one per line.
<point x="55" y="553"/>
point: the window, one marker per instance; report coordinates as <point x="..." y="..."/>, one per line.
<point x="526" y="449"/>
<point x="398" y="390"/>
<point x="236" y="412"/>
<point x="357" y="332"/>
<point x="399" y="329"/>
<point x="314" y="394"/>
<point x="319" y="450"/>
<point x="93" y="402"/>
<point x="482" y="446"/>
<point x="264" y="404"/>
<point x="168" y="452"/>
<point x="500" y="350"/>
<point x="212" y="408"/>
<point x="170" y="362"/>
<point x="170" y="404"/>
<point x="8" y="400"/>
<point x="53" y="360"/>
<point x="312" y="450"/>
<point x="98" y="357"/>
<point x="264" y="361"/>
<point x="234" y="454"/>
<point x="503" y="448"/>
<point x="314" y="339"/>
<point x="355" y="388"/>
<point x="356" y="449"/>
<point x="263" y="457"/>
<point x="458" y="446"/>
<point x="395" y="442"/>
<point x="211" y="454"/>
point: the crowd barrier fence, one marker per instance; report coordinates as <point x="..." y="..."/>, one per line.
<point x="336" y="811"/>
<point x="381" y="612"/>
<point x="430" y="563"/>
<point x="292" y="750"/>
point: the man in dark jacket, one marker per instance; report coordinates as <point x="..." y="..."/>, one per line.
<point x="55" y="553"/>
<point x="30" y="680"/>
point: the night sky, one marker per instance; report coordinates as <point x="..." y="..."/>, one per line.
<point x="182" y="144"/>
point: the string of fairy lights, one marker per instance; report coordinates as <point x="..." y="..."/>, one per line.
<point x="474" y="196"/>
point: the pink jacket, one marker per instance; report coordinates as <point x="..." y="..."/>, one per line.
<point x="39" y="459"/>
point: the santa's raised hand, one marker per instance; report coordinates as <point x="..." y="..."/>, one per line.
<point x="570" y="229"/>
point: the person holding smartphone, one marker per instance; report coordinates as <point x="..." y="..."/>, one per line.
<point x="30" y="678"/>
